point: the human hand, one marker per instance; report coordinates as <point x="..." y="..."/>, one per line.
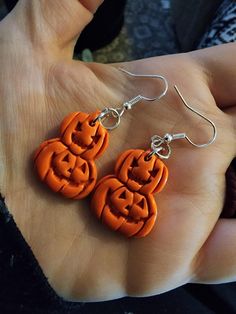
<point x="40" y="84"/>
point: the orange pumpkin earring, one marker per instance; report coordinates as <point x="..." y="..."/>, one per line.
<point x="124" y="201"/>
<point x="66" y="163"/>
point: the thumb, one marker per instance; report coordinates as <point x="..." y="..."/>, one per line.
<point x="57" y="22"/>
<point x="218" y="258"/>
<point x="91" y="5"/>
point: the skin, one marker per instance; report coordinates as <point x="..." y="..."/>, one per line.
<point x="40" y="84"/>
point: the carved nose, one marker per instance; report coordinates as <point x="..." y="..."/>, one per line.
<point x="84" y="138"/>
<point x="81" y="173"/>
<point x="140" y="173"/>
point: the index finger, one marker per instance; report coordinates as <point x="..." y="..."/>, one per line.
<point x="219" y="64"/>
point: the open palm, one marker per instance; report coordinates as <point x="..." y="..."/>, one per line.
<point x="81" y="258"/>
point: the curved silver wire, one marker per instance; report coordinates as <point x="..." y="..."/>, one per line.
<point x="141" y="97"/>
<point x="160" y="146"/>
<point x="106" y="113"/>
<point x="117" y="113"/>
<point x="183" y="135"/>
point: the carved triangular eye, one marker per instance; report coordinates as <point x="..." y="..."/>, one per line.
<point x="123" y="195"/>
<point x="141" y="203"/>
<point x="96" y="138"/>
<point x="66" y="158"/>
<point x="134" y="163"/>
<point x="153" y="172"/>
<point x="83" y="168"/>
<point x="78" y="127"/>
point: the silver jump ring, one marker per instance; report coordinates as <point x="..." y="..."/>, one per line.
<point x="164" y="156"/>
<point x="156" y="141"/>
<point x="105" y="114"/>
<point x="157" y="151"/>
<point x="159" y="144"/>
<point x="153" y="152"/>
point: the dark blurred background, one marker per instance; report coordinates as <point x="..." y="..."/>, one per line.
<point x="126" y="29"/>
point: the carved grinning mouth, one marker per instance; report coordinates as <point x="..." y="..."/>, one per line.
<point x="61" y="176"/>
<point x="69" y="180"/>
<point x="137" y="179"/>
<point x="80" y="143"/>
<point x="126" y="214"/>
<point x="119" y="214"/>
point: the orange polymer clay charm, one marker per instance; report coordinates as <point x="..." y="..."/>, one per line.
<point x="66" y="164"/>
<point x="124" y="201"/>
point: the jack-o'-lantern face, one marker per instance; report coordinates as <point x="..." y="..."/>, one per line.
<point x="70" y="166"/>
<point x="83" y="136"/>
<point x="132" y="206"/>
<point x="122" y="210"/>
<point x="64" y="172"/>
<point x="140" y="173"/>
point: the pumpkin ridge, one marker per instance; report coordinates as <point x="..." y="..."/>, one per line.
<point x="69" y="122"/>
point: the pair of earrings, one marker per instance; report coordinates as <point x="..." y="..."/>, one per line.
<point x="123" y="201"/>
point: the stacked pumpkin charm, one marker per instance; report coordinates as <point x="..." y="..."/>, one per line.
<point x="66" y="164"/>
<point x="124" y="201"/>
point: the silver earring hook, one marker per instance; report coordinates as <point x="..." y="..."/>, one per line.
<point x="117" y="113"/>
<point x="200" y="115"/>
<point x="141" y="97"/>
<point x="160" y="146"/>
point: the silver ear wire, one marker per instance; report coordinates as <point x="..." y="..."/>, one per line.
<point x="117" y="113"/>
<point x="160" y="146"/>
<point x="200" y="115"/>
<point x="141" y="97"/>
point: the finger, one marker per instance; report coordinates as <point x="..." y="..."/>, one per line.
<point x="91" y="5"/>
<point x="220" y="67"/>
<point x="217" y="259"/>
<point x="56" y="21"/>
